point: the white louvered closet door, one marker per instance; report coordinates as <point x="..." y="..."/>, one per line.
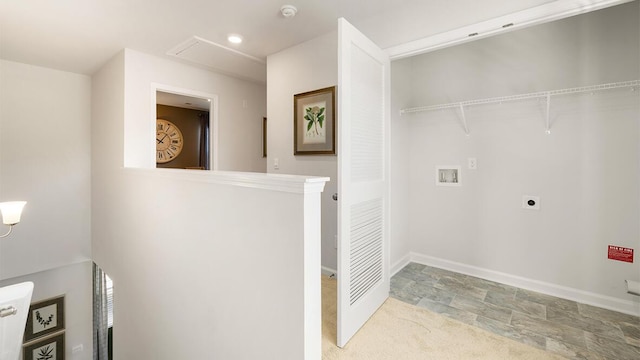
<point x="363" y="180"/>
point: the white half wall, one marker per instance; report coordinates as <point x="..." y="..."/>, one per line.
<point x="229" y="270"/>
<point x="45" y="160"/>
<point x="227" y="263"/>
<point x="309" y="66"/>
<point x="241" y="107"/>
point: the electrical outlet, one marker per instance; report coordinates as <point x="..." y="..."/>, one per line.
<point x="472" y="163"/>
<point x="276" y="163"/>
<point x="530" y="202"/>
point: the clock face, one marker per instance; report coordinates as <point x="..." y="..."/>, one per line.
<point x="169" y="141"/>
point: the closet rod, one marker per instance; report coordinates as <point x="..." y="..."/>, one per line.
<point x="541" y="94"/>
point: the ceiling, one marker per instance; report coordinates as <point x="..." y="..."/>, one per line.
<point x="80" y="36"/>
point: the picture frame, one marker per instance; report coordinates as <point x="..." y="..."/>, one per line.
<point x="314" y="122"/>
<point x="47" y="347"/>
<point x="45" y="317"/>
<point x="448" y="175"/>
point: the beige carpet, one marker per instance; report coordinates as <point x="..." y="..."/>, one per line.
<point x="404" y="332"/>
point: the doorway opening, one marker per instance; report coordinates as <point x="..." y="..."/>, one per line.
<point x="186" y="129"/>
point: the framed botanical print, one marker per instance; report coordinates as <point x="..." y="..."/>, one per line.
<point x="314" y="122"/>
<point x="45" y="348"/>
<point x="45" y="317"/>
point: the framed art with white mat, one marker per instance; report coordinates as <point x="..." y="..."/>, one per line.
<point x="45" y="348"/>
<point x="45" y="317"/>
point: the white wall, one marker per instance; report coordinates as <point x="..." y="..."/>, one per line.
<point x="401" y="95"/>
<point x="587" y="171"/>
<point x="309" y="66"/>
<point x="239" y="127"/>
<point x="222" y="262"/>
<point x="44" y="159"/>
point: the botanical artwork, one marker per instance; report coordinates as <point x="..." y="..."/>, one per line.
<point x="45" y="352"/>
<point x="45" y="348"/>
<point x="314" y="122"/>
<point x="316" y="132"/>
<point x="45" y="318"/>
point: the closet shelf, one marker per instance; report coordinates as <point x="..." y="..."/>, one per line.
<point x="542" y="94"/>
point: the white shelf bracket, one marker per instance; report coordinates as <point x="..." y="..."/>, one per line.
<point x="547" y="124"/>
<point x="464" y="120"/>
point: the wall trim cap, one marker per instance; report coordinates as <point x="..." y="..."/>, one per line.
<point x="277" y="182"/>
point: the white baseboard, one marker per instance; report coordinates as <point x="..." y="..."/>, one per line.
<point x="328" y="271"/>
<point x="398" y="265"/>
<point x="585" y="297"/>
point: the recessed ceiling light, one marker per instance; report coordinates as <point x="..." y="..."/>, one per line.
<point x="234" y="38"/>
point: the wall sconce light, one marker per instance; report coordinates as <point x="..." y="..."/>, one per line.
<point x="11" y="212"/>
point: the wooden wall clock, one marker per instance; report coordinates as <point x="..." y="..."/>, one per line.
<point x="169" y="141"/>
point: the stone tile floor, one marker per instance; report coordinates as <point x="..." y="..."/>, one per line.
<point x="564" y="327"/>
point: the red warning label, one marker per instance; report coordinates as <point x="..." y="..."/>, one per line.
<point x="620" y="253"/>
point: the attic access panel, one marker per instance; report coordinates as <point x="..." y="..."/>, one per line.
<point x="221" y="59"/>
